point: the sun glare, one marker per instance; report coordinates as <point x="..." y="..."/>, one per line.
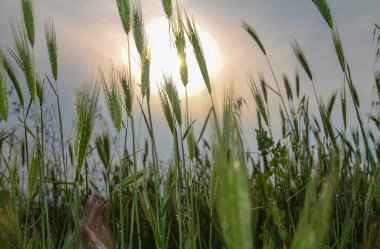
<point x="165" y="59"/>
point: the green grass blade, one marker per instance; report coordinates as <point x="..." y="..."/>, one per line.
<point x="33" y="174"/>
<point x="205" y="124"/>
<point x="3" y="96"/>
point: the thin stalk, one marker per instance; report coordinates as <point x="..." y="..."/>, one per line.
<point x="279" y="93"/>
<point x="155" y="160"/>
<point x="121" y="214"/>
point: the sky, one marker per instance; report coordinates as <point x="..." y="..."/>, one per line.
<point x="89" y="35"/>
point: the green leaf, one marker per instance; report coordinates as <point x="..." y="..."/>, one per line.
<point x="33" y="174"/>
<point x="205" y="124"/>
<point x="3" y="97"/>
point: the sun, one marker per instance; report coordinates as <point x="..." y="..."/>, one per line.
<point x="165" y="61"/>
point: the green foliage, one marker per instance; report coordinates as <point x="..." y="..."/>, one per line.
<point x="233" y="198"/>
<point x="313" y="225"/>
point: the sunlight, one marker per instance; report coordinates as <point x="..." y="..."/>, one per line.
<point x="165" y="59"/>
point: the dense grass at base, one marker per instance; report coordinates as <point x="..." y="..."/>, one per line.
<point x="317" y="186"/>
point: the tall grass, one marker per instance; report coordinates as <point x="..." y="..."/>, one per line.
<point x="316" y="186"/>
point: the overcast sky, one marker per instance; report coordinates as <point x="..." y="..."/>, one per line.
<point x="89" y="34"/>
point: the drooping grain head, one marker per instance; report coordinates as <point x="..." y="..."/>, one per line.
<point x="102" y="144"/>
<point x="111" y="93"/>
<point x="172" y="93"/>
<point x="24" y="57"/>
<point x="86" y="102"/>
<point x="263" y="85"/>
<point x="27" y="11"/>
<point x="193" y="36"/>
<point x="51" y="43"/>
<point x="124" y="8"/>
<point x="251" y="31"/>
<point x="301" y="58"/>
<point x="288" y="88"/>
<point x="324" y="9"/>
<point x="12" y="76"/>
<point x="168" y="8"/>
<point x="145" y="73"/>
<point x="339" y="49"/>
<point x="258" y="99"/>
<point x="39" y="91"/>
<point x="138" y="28"/>
<point x="178" y="31"/>
<point x="127" y="85"/>
<point x="166" y="108"/>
